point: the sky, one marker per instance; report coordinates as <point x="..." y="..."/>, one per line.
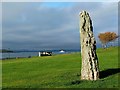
<point x="53" y="25"/>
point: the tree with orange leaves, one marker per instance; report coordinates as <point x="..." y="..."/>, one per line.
<point x="107" y="37"/>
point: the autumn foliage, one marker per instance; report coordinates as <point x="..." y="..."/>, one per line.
<point x="107" y="37"/>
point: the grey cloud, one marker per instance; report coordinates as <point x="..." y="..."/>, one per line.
<point x="28" y="25"/>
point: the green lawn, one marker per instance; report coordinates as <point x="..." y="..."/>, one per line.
<point x="59" y="71"/>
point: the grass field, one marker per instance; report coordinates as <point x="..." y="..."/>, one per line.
<point x="59" y="71"/>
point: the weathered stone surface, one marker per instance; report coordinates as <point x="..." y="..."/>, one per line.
<point x="90" y="67"/>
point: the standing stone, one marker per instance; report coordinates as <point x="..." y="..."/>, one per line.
<point x="90" y="67"/>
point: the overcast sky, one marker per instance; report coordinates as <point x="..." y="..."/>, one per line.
<point x="42" y="25"/>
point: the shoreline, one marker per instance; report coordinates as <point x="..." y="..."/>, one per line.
<point x="30" y="56"/>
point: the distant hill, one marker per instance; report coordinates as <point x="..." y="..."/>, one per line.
<point x="5" y="51"/>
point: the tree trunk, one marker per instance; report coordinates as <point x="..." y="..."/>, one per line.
<point x="90" y="67"/>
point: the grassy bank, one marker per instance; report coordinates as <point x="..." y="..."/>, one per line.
<point x="59" y="71"/>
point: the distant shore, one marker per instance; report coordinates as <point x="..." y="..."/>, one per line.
<point x="5" y="51"/>
<point x="28" y="54"/>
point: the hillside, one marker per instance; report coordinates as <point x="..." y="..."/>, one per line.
<point x="5" y="51"/>
<point x="59" y="71"/>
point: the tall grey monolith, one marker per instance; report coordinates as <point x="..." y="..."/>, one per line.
<point x="90" y="67"/>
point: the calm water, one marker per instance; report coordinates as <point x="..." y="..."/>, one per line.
<point x="28" y="54"/>
<point x="18" y="54"/>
